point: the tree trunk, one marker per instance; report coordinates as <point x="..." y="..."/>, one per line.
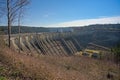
<point x="9" y="23"/>
<point x="19" y="31"/>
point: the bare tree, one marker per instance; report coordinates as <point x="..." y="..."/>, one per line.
<point x="12" y="11"/>
<point x="19" y="25"/>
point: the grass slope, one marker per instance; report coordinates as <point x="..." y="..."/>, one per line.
<point x="15" y="66"/>
<point x="23" y="67"/>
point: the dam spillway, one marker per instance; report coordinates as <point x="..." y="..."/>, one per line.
<point x="51" y="44"/>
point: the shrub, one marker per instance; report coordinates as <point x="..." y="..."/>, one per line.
<point x="116" y="51"/>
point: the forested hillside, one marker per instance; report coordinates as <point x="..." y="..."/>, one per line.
<point x="87" y="29"/>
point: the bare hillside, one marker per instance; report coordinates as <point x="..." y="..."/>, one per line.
<point x="24" y="67"/>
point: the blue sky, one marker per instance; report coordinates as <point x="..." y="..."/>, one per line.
<point x="51" y="12"/>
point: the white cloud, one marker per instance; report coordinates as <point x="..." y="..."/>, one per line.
<point x="101" y="20"/>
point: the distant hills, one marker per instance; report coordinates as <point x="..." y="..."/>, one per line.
<point x="106" y="35"/>
<point x="27" y="29"/>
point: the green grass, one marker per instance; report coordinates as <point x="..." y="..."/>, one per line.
<point x="3" y="78"/>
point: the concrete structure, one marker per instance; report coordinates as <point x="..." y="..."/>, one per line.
<point x="51" y="44"/>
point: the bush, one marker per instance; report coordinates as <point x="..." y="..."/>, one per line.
<point x="116" y="51"/>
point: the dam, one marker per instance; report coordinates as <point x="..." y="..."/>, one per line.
<point x="51" y="44"/>
<point x="65" y="42"/>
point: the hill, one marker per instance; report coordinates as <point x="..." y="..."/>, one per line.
<point x="14" y="66"/>
<point x="27" y="29"/>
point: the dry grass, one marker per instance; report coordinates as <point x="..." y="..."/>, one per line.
<point x="22" y="67"/>
<point x="26" y="66"/>
<point x="82" y="68"/>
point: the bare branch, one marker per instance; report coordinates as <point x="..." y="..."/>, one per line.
<point x="19" y="4"/>
<point x="12" y="9"/>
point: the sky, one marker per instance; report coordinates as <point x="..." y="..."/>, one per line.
<point x="65" y="13"/>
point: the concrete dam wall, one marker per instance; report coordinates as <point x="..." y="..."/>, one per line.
<point x="51" y="44"/>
